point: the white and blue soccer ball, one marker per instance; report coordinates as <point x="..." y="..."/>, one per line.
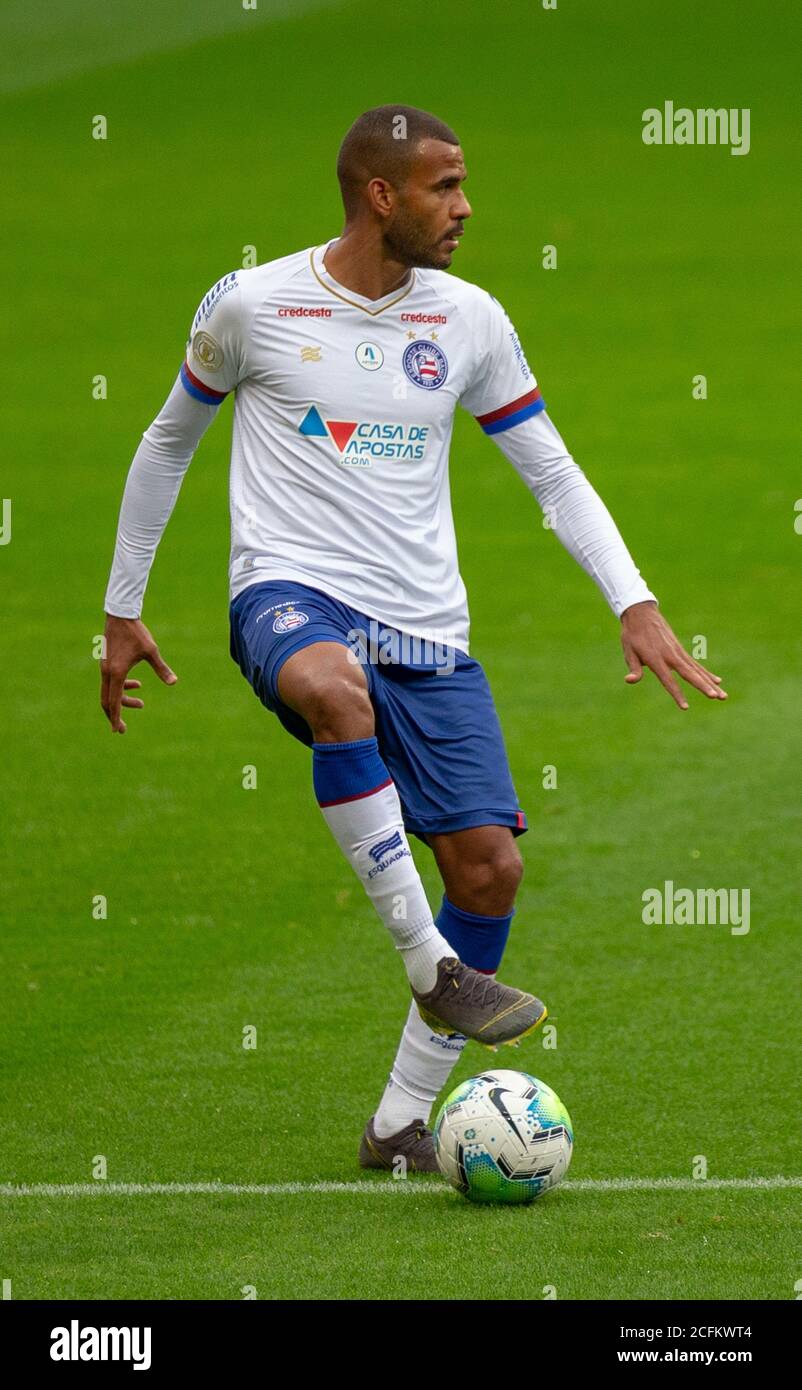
<point x="503" y="1136"/>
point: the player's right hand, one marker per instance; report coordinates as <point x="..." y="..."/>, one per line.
<point x="127" y="642"/>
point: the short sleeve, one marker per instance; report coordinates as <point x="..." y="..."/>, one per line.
<point x="503" y="391"/>
<point x="215" y="356"/>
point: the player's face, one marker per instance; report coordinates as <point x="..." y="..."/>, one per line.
<point x="430" y="208"/>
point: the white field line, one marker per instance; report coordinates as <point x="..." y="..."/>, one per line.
<point x="417" y="1185"/>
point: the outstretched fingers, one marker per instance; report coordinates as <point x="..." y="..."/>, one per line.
<point x="697" y="676"/>
<point x="633" y="662"/>
<point x="129" y="700"/>
<point x="163" y="671"/>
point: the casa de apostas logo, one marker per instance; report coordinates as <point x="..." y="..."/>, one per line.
<point x="358" y="442"/>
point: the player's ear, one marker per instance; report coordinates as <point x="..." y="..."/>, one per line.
<point x="381" y="196"/>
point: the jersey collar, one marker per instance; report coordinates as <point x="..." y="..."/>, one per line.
<point x="357" y="301"/>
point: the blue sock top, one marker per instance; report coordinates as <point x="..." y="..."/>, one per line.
<point x="478" y="941"/>
<point x="346" y="771"/>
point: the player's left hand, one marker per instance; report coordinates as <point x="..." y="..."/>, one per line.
<point x="648" y="641"/>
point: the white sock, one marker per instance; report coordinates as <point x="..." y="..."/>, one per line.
<point x="370" y="832"/>
<point x="421" y="961"/>
<point x="423" y="1063"/>
<point x="422" y="1066"/>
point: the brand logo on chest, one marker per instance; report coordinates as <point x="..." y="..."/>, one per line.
<point x="359" y="442"/>
<point x="369" y="356"/>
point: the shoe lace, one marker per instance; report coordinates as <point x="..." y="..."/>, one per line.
<point x="414" y="1136"/>
<point x="479" y="989"/>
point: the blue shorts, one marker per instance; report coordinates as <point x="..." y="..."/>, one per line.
<point x="436" y="724"/>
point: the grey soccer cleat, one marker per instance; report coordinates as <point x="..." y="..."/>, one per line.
<point x="465" y="1001"/>
<point x="413" y="1143"/>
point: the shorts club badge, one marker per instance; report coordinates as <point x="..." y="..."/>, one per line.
<point x="289" y="620"/>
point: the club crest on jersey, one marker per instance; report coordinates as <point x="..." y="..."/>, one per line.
<point x="425" y="364"/>
<point x="359" y="442"/>
<point x="290" y="620"/>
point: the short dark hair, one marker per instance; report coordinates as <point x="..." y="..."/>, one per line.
<point x="381" y="144"/>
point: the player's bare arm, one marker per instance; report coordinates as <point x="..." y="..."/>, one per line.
<point x="127" y="642"/>
<point x="648" y="641"/>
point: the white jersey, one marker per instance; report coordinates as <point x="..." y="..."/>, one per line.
<point x="343" y="414"/>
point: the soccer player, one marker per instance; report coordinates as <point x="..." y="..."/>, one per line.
<point x="348" y="615"/>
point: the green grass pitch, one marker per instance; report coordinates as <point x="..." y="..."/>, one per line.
<point x="230" y="907"/>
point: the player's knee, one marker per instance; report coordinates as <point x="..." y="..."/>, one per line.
<point x="514" y="869"/>
<point x="492" y="880"/>
<point x="508" y="870"/>
<point x="329" y="691"/>
<point x="338" y="709"/>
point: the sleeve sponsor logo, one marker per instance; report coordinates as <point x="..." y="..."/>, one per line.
<point x="520" y="356"/>
<point x="212" y="299"/>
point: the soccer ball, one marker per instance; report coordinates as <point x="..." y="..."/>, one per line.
<point x="503" y="1136"/>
